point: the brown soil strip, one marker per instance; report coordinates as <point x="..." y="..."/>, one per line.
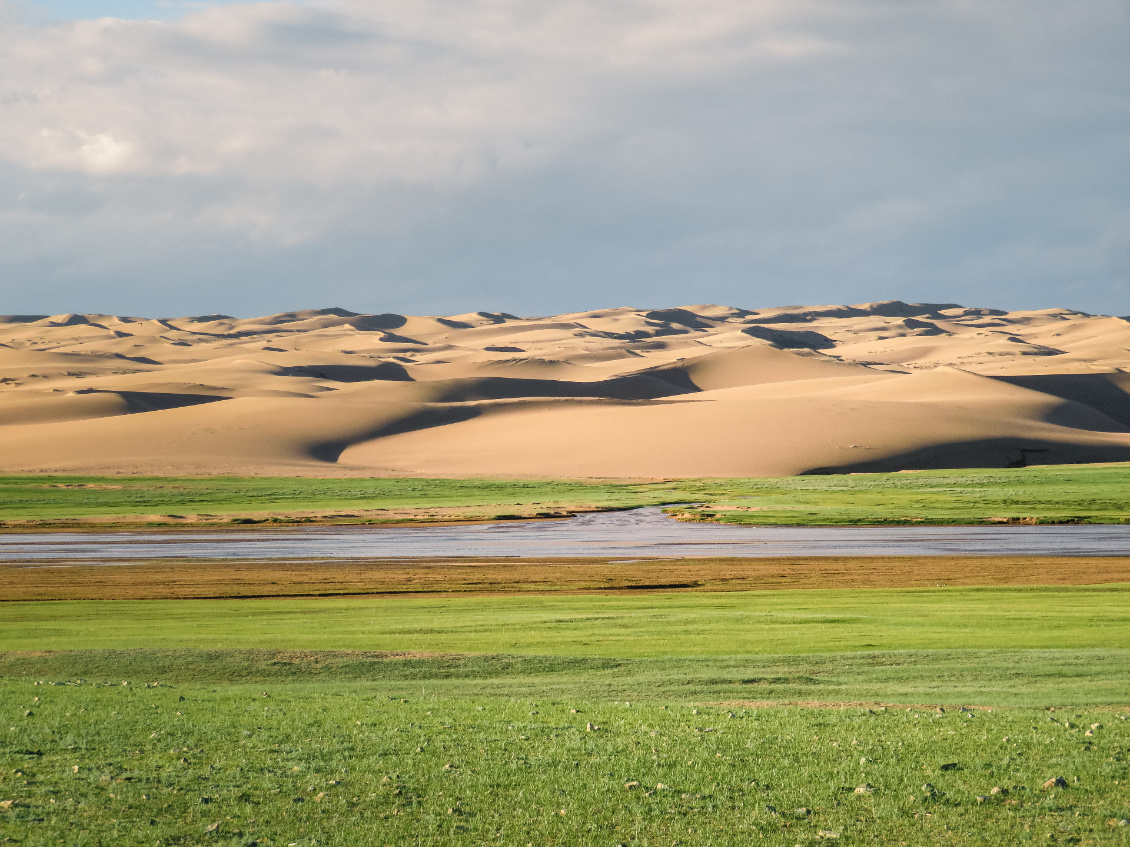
<point x="208" y="579"/>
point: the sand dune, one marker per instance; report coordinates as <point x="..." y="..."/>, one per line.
<point x="702" y="390"/>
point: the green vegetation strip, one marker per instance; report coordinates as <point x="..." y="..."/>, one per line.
<point x="623" y="626"/>
<point x="571" y="720"/>
<point x="1053" y="494"/>
<point x="1093" y="677"/>
<point x="389" y="762"/>
<point x="63" y="497"/>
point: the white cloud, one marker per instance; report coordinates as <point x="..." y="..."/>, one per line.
<point x="631" y="146"/>
<point x="70" y="149"/>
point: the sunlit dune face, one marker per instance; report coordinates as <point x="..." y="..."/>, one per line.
<point x="689" y="391"/>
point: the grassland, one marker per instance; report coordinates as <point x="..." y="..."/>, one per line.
<point x="1053" y="494"/>
<point x="454" y="720"/>
<point x="184" y="764"/>
<point x="621" y="625"/>
<point x="1087" y="677"/>
<point x="253" y="747"/>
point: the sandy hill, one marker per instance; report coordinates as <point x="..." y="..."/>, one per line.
<point x="699" y="390"/>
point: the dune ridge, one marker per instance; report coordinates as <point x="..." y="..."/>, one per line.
<point x="699" y="390"/>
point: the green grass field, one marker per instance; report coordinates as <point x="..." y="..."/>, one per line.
<point x="626" y="626"/>
<point x="1054" y="494"/>
<point x="356" y="764"/>
<point x="265" y="721"/>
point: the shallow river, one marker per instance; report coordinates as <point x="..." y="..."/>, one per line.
<point x="639" y="532"/>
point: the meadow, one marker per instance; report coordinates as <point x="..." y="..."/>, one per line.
<point x="371" y="763"/>
<point x="621" y="625"/>
<point x="1050" y="494"/>
<point x="571" y="720"/>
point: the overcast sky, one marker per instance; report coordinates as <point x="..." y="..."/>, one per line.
<point x="542" y="156"/>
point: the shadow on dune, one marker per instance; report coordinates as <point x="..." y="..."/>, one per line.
<point x="985" y="453"/>
<point x="157" y="401"/>
<point x="1105" y="393"/>
<point x="470" y="389"/>
<point x="382" y="371"/>
<point x="790" y="339"/>
<point x="331" y="450"/>
<point x="377" y="323"/>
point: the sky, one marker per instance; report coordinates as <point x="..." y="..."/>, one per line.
<point x="167" y="158"/>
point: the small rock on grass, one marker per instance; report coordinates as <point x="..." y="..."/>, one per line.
<point x="1057" y="782"/>
<point x="827" y="833"/>
<point x="866" y="788"/>
<point x="996" y="789"/>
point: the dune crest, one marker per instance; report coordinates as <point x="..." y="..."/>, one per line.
<point x="700" y="390"/>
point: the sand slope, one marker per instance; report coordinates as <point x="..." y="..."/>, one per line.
<point x="700" y="390"/>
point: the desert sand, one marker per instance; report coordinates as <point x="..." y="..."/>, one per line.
<point x="630" y="393"/>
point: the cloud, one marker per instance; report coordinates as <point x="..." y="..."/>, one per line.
<point x="544" y="156"/>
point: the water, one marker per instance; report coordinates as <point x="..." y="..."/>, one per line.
<point x="636" y="533"/>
